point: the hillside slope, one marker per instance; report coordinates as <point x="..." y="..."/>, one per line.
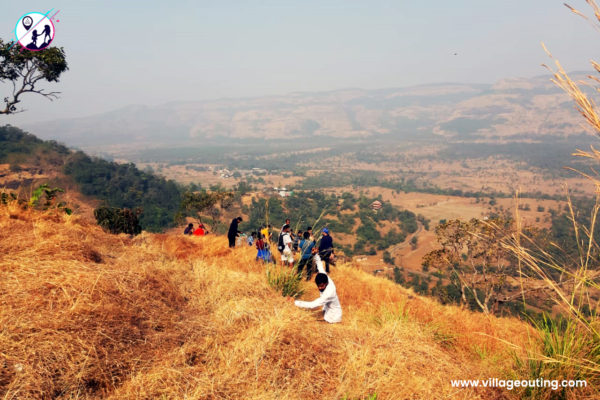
<point x="86" y="314"/>
<point x="87" y="182"/>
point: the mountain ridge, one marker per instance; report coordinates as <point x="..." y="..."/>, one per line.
<point x="509" y="107"/>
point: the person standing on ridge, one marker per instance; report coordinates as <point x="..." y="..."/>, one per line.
<point x="306" y="247"/>
<point x="281" y="233"/>
<point x="309" y="230"/>
<point x="328" y="298"/>
<point x="299" y="236"/>
<point x="285" y="247"/>
<point x="233" y="231"/>
<point x="326" y="249"/>
<point x="251" y="238"/>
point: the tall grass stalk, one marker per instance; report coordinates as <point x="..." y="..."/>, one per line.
<point x="573" y="344"/>
<point x="569" y="348"/>
<point x="285" y="280"/>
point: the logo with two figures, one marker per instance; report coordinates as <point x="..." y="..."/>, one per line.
<point x="35" y="31"/>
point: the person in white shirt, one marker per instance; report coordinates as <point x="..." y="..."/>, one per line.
<point x="332" y="309"/>
<point x="287" y="256"/>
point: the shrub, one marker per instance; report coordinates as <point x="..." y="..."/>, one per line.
<point x="287" y="281"/>
<point x="118" y="220"/>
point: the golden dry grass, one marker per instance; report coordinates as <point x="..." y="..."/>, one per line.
<point x="86" y="314"/>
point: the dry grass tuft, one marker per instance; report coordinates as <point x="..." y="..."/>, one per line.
<point x="86" y="314"/>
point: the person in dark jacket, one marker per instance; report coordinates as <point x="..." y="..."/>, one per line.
<point x="189" y="230"/>
<point x="326" y="249"/>
<point x="233" y="231"/>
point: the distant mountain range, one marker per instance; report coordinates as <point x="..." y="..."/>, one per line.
<point x="508" y="109"/>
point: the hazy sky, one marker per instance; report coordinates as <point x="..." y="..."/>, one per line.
<point x="152" y="52"/>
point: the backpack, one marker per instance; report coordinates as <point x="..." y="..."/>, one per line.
<point x="280" y="245"/>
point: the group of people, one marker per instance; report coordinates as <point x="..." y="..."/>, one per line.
<point x="303" y="245"/>
<point x="199" y="231"/>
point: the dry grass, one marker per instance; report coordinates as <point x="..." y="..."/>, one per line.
<point x="86" y="314"/>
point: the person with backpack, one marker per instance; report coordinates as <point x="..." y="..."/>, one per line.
<point x="284" y="246"/>
<point x="328" y="298"/>
<point x="233" y="231"/>
<point x="326" y="249"/>
<point x="306" y="255"/>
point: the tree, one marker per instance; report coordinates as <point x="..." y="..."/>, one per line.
<point x="118" y="220"/>
<point x="26" y="70"/>
<point x="197" y="203"/>
<point x="473" y="251"/>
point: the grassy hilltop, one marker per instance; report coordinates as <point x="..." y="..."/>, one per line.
<point x="86" y="314"/>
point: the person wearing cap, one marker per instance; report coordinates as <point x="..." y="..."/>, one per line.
<point x="328" y="298"/>
<point x="326" y="249"/>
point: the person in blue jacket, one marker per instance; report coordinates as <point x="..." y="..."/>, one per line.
<point x="326" y="249"/>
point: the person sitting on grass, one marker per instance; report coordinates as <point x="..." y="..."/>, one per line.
<point x="189" y="229"/>
<point x="200" y="231"/>
<point x="328" y="299"/>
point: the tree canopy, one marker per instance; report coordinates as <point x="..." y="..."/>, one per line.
<point x="26" y="70"/>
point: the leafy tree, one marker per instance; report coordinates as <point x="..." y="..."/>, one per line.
<point x="399" y="276"/>
<point x="125" y="186"/>
<point x="473" y="253"/>
<point x="26" y="70"/>
<point x="387" y="258"/>
<point x="118" y="220"/>
<point x="197" y="203"/>
<point x="413" y="242"/>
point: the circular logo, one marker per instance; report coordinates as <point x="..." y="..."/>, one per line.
<point x="34" y="31"/>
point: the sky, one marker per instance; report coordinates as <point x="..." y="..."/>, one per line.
<point x="152" y="52"/>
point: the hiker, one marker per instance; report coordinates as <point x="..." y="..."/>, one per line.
<point x="326" y="249"/>
<point x="287" y="222"/>
<point x="189" y="229"/>
<point x="332" y="310"/>
<point x="233" y="231"/>
<point x="242" y="238"/>
<point x="297" y="240"/>
<point x="306" y="247"/>
<point x="266" y="232"/>
<point x="200" y="231"/>
<point x="309" y="230"/>
<point x="262" y="248"/>
<point x="284" y="245"/>
<point x="251" y="238"/>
